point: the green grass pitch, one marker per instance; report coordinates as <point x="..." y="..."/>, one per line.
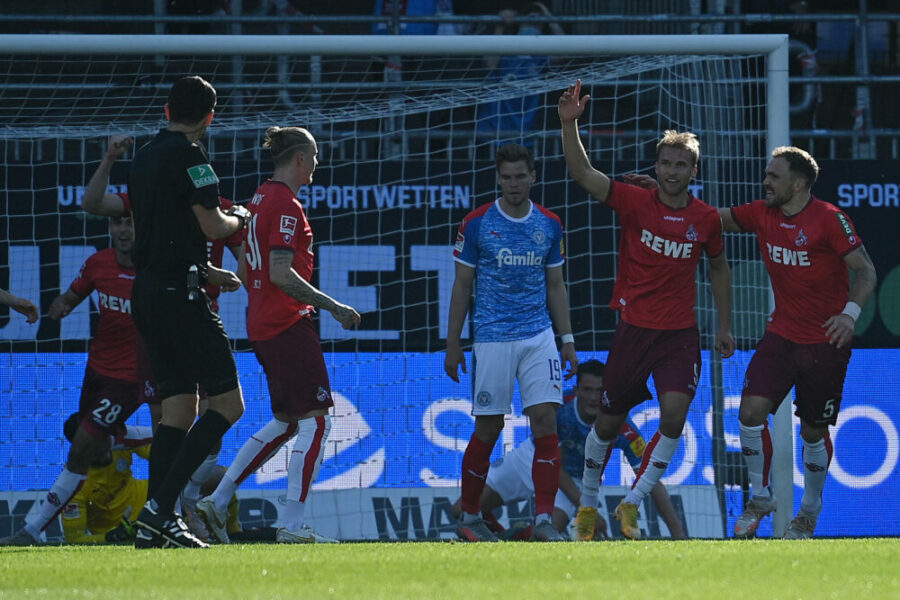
<point x="759" y="569"/>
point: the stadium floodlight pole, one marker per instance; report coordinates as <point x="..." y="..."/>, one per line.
<point x="774" y="47"/>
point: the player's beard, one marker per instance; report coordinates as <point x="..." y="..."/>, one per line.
<point x="774" y="200"/>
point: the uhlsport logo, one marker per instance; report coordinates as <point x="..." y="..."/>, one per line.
<point x="506" y="258"/>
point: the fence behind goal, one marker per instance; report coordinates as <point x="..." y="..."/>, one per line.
<point x="407" y="127"/>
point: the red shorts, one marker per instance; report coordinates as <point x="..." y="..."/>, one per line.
<point x="817" y="371"/>
<point x="672" y="356"/>
<point x="295" y="370"/>
<point x="106" y="403"/>
<point x="146" y="385"/>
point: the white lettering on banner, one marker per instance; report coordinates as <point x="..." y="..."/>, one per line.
<point x="67" y="195"/>
<point x="505" y="257"/>
<point x="666" y="247"/>
<point x="786" y="256"/>
<point x="404" y="197"/>
<point x="876" y="195"/>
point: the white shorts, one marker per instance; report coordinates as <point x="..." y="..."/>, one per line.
<point x="533" y="362"/>
<point x="510" y="477"/>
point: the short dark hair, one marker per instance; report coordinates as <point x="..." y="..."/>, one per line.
<point x="589" y="367"/>
<point x="800" y="162"/>
<point x="514" y="153"/>
<point x="71" y="426"/>
<point x="190" y="100"/>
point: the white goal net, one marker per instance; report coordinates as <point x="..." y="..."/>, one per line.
<point x="407" y="128"/>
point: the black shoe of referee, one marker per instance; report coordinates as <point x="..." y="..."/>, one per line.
<point x="170" y="528"/>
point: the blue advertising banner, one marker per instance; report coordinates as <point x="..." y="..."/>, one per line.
<point x="401" y="423"/>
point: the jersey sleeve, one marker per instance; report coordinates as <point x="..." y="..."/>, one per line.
<point x="236" y="238"/>
<point x="83" y="283"/>
<point x="715" y="244"/>
<point x="557" y="254"/>
<point x="285" y="222"/>
<point x="745" y="215"/>
<point x="465" y="250"/>
<point x="202" y="182"/>
<point x="625" y="199"/>
<point x="842" y="234"/>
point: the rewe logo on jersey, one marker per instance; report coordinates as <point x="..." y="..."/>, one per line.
<point x="666" y="247"/>
<point x="115" y="303"/>
<point x="786" y="256"/>
<point x="505" y="257"/>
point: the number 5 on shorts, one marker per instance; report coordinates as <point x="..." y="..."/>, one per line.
<point x="828" y="411"/>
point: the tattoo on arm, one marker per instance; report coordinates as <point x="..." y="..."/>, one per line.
<point x="295" y="286"/>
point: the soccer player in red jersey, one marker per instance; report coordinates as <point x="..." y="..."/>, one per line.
<point x="279" y="266"/>
<point x="97" y="200"/>
<point x="807" y="245"/>
<point x="663" y="234"/>
<point x="109" y="392"/>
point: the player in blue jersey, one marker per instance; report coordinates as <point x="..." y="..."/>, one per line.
<point x="512" y="251"/>
<point x="509" y="477"/>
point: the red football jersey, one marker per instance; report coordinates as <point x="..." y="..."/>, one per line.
<point x="278" y="223"/>
<point x="112" y="351"/>
<point x="804" y="255"/>
<point x="658" y="256"/>
<point x="215" y="249"/>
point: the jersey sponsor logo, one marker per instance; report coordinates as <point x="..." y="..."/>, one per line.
<point x="288" y="225"/>
<point x="787" y="225"/>
<point x="691" y="234"/>
<point x="202" y="175"/>
<point x="666" y="247"/>
<point x="845" y="224"/>
<point x="125" y="276"/>
<point x="801" y="238"/>
<point x="671" y="218"/>
<point x="111" y="302"/>
<point x="788" y="257"/>
<point x="505" y="257"/>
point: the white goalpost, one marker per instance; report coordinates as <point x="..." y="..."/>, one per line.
<point x="407" y="127"/>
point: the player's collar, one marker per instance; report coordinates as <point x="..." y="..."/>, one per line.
<point x="515" y="219"/>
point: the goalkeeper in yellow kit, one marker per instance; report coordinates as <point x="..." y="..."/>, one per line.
<point x="102" y="509"/>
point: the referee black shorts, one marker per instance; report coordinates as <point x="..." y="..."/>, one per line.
<point x="185" y="339"/>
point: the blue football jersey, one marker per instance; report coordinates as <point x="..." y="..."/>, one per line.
<point x="573" y="432"/>
<point x="510" y="257"/>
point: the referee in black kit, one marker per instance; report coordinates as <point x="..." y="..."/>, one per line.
<point x="174" y="194"/>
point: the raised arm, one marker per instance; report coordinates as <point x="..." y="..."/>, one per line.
<point x="571" y="106"/>
<point x="720" y="282"/>
<point x="558" y="306"/>
<point x="728" y="221"/>
<point x="96" y="201"/>
<point x="20" y="305"/>
<point x="282" y="274"/>
<point x="459" y="307"/>
<point x="840" y="328"/>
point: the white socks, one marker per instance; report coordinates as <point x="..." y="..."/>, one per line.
<point x="63" y="489"/>
<point x="661" y="449"/>
<point x="756" y="446"/>
<point x="261" y="446"/>
<point x="816" y="458"/>
<point x="303" y="468"/>
<point x="596" y="453"/>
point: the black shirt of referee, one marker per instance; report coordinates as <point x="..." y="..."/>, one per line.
<point x="174" y="194"/>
